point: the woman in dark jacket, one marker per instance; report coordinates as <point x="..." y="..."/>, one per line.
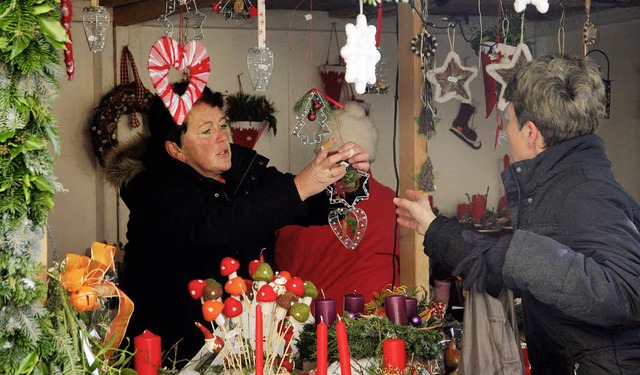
<point x="194" y="199"/>
<point x="574" y="256"/>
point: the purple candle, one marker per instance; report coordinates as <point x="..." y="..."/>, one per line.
<point x="412" y="306"/>
<point x="325" y="308"/>
<point x="354" y="303"/>
<point x="396" y="309"/>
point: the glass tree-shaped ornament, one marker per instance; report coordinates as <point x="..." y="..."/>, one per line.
<point x="313" y="109"/>
<point x="95" y="20"/>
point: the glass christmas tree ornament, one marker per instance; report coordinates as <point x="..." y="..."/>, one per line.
<point x="95" y="20"/>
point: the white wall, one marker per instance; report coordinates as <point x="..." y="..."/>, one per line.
<point x="90" y="211"/>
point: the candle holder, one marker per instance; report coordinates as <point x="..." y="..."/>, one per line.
<point x="95" y="20"/>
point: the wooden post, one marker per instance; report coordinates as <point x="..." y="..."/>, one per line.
<point x="414" y="264"/>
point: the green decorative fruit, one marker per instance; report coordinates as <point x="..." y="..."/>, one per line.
<point x="300" y="312"/>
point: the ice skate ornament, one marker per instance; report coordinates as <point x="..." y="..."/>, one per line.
<point x="460" y="126"/>
<point x="541" y="5"/>
<point x="360" y="53"/>
<point x="505" y="70"/>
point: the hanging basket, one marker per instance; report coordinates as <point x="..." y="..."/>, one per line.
<point x="247" y="133"/>
<point x="332" y="75"/>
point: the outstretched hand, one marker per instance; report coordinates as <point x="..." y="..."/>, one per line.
<point x="327" y="169"/>
<point x="414" y="211"/>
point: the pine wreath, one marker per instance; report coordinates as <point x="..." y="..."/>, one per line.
<point x="104" y="126"/>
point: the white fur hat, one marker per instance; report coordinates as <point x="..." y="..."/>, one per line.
<point x="351" y="124"/>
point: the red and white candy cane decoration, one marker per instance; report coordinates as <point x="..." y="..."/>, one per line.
<point x="167" y="52"/>
<point x="66" y="23"/>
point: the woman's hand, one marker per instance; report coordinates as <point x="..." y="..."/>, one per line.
<point x="327" y="169"/>
<point x="414" y="212"/>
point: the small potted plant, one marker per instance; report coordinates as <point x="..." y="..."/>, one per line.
<point x="249" y="116"/>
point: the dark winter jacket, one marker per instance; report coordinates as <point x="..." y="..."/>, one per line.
<point x="574" y="258"/>
<point x="182" y="224"/>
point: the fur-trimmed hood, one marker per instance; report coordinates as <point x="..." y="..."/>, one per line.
<point x="126" y="160"/>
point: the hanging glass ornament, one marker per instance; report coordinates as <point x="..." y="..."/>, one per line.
<point x="192" y="16"/>
<point x="381" y="86"/>
<point x="349" y="222"/>
<point x="95" y="20"/>
<point x="349" y="225"/>
<point x="237" y="10"/>
<point x="311" y="107"/>
<point x="260" y="59"/>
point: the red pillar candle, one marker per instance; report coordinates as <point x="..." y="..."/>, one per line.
<point x="148" y="357"/>
<point x="325" y="308"/>
<point x="259" y="342"/>
<point x="464" y="210"/>
<point x="505" y="161"/>
<point x="477" y="207"/>
<point x="343" y="348"/>
<point x="322" y="358"/>
<point x="431" y="200"/>
<point x="394" y="355"/>
<point x="354" y="303"/>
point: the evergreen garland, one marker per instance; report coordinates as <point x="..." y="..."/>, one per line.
<point x="32" y="340"/>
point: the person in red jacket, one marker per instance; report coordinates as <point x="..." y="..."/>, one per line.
<point x="315" y="253"/>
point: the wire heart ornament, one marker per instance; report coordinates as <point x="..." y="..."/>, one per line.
<point x="349" y="225"/>
<point x="191" y="59"/>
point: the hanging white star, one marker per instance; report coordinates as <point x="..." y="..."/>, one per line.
<point x="502" y="72"/>
<point x="360" y="54"/>
<point x="451" y="80"/>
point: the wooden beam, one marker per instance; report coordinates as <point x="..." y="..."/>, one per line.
<point x="414" y="264"/>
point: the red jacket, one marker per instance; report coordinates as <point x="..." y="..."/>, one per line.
<point x="315" y="253"/>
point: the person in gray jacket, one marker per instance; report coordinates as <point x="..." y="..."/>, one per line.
<point x="574" y="255"/>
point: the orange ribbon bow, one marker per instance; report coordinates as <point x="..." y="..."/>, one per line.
<point x="84" y="279"/>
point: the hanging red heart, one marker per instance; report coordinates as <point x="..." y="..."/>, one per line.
<point x="167" y="52"/>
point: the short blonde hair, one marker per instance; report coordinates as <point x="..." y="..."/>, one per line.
<point x="351" y="124"/>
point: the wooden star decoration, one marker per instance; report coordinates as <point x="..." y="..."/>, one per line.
<point x="451" y="80"/>
<point x="503" y="72"/>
